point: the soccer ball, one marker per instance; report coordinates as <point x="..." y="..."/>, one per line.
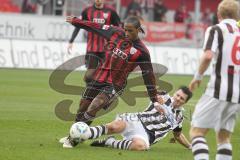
<point x="80" y="130"/>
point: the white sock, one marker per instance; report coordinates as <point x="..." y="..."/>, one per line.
<point x="98" y="131"/>
<point x="200" y="148"/>
<point x="119" y="144"/>
<point x="224" y="152"/>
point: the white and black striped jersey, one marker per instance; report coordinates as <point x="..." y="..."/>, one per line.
<point x="158" y="125"/>
<point x="224" y="40"/>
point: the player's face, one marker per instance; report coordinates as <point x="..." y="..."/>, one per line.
<point x="130" y="31"/>
<point x="98" y="3"/>
<point x="179" y="98"/>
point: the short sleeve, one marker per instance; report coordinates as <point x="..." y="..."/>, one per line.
<point x="211" y="40"/>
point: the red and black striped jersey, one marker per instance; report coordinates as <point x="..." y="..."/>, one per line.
<point x="122" y="57"/>
<point x="105" y="15"/>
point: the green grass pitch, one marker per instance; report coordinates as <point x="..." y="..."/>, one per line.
<point x="29" y="128"/>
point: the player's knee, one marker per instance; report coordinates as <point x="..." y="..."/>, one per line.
<point x="197" y="132"/>
<point x="223" y="140"/>
<point x="223" y="136"/>
<point x="96" y="103"/>
<point x="112" y="129"/>
<point x="88" y="78"/>
<point x="116" y="127"/>
<point x="193" y="133"/>
<point x="83" y="106"/>
<point x="138" y="145"/>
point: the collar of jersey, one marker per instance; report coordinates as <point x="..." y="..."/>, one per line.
<point x="231" y="21"/>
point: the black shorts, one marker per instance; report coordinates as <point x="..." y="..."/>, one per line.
<point x="94" y="88"/>
<point x="94" y="59"/>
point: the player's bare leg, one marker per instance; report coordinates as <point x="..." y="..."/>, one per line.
<point x="224" y="147"/>
<point x="100" y="101"/>
<point x="118" y="126"/>
<point x="83" y="107"/>
<point x="88" y="77"/>
<point x="84" y="104"/>
<point x="138" y="145"/>
<point x="197" y="132"/>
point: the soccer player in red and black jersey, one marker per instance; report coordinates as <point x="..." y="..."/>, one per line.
<point x="124" y="52"/>
<point x="102" y="14"/>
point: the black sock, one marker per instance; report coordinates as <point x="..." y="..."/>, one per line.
<point x="83" y="117"/>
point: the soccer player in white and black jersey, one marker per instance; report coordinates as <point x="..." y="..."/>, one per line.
<point x="141" y="130"/>
<point x="217" y="109"/>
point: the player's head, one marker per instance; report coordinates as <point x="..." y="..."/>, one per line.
<point x="132" y="26"/>
<point x="99" y="3"/>
<point x="228" y="9"/>
<point x="181" y="96"/>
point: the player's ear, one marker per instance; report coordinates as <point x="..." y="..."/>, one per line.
<point x="139" y="30"/>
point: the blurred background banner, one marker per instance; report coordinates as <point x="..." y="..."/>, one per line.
<point x="51" y="54"/>
<point x="174" y="34"/>
<point x="34" y="27"/>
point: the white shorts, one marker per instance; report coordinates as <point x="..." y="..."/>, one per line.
<point x="134" y="128"/>
<point x="213" y="113"/>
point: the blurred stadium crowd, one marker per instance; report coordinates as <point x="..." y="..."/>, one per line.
<point x="181" y="11"/>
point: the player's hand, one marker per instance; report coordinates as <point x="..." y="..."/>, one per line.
<point x="172" y="140"/>
<point x="160" y="99"/>
<point x="190" y="147"/>
<point x="69" y="19"/>
<point x="69" y="49"/>
<point x="194" y="84"/>
<point x="159" y="108"/>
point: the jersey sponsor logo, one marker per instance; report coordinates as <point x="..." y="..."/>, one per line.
<point x="118" y="53"/>
<point x="99" y="20"/>
<point x="80" y="17"/>
<point x="105" y="27"/>
<point x="133" y="50"/>
<point x="105" y="15"/>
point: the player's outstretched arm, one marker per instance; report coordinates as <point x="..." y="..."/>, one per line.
<point x="74" y="35"/>
<point x="105" y="31"/>
<point x="160" y="108"/>
<point x="148" y="76"/>
<point x="69" y="19"/>
<point x="180" y="137"/>
<point x="204" y="63"/>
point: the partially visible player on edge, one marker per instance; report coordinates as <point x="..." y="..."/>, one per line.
<point x="124" y="52"/>
<point x="217" y="109"/>
<point x="143" y="129"/>
<point x="102" y="14"/>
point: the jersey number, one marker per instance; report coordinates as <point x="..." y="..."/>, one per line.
<point x="235" y="50"/>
